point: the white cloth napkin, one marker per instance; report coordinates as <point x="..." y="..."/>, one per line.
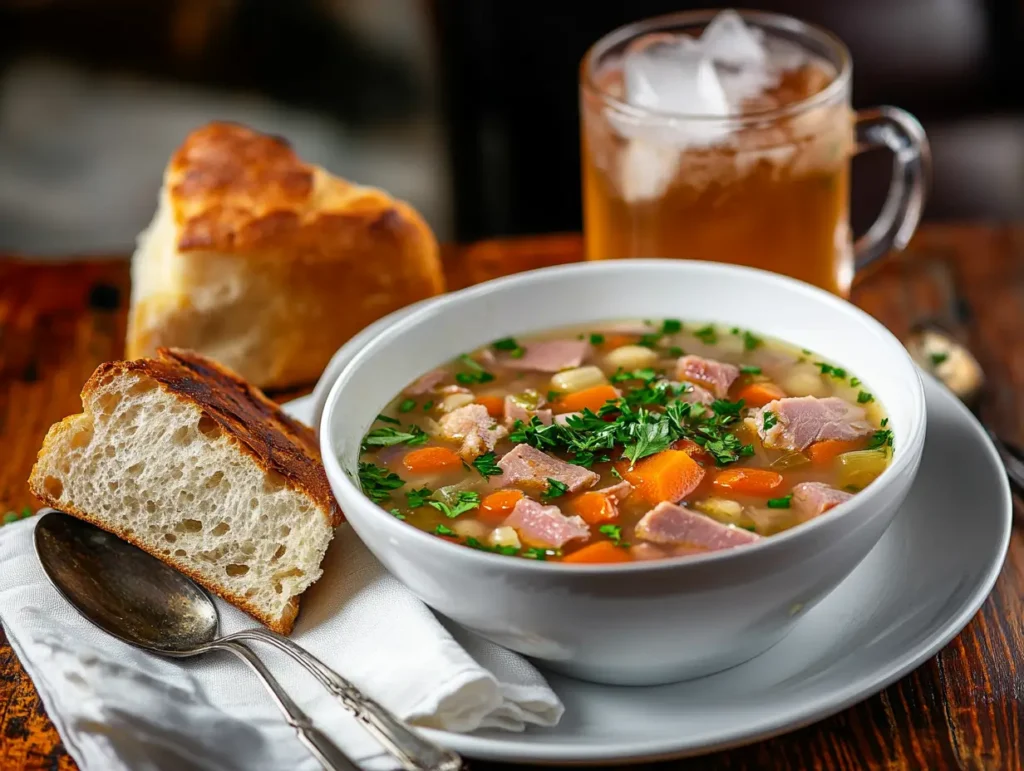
<point x="119" y="709"/>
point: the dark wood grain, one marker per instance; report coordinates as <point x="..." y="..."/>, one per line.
<point x="963" y="709"/>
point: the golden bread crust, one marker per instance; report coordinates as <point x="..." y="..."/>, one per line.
<point x="278" y="443"/>
<point x="273" y="263"/>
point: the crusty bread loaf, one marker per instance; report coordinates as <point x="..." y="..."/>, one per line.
<point x="268" y="264"/>
<point x="185" y="460"/>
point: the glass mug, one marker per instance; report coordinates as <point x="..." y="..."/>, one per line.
<point x="766" y="187"/>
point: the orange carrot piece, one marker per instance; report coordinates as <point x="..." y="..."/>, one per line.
<point x="596" y="507"/>
<point x="670" y="475"/>
<point x="589" y="398"/>
<point x="599" y="553"/>
<point x="617" y="341"/>
<point x="495" y="508"/>
<point x="429" y="459"/>
<point x="748" y="481"/>
<point x="495" y="405"/>
<point x="760" y="394"/>
<point x="824" y="452"/>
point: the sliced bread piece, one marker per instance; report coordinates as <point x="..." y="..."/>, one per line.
<point x="184" y="459"/>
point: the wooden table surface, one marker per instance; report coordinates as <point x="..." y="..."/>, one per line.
<point x="964" y="709"/>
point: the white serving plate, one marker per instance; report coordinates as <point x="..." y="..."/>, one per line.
<point x="919" y="586"/>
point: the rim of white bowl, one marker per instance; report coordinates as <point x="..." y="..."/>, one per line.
<point x="910" y="447"/>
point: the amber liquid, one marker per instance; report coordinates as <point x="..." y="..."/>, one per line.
<point x="780" y="202"/>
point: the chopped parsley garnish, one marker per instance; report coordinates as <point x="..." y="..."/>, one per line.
<point x="881" y="438"/>
<point x="650" y="340"/>
<point x="615" y="473"/>
<point x="650" y="437"/>
<point x="749" y="370"/>
<point x="508" y="551"/>
<point x="864" y="397"/>
<point x="645" y="375"/>
<point x="852" y="488"/>
<point x="596" y="338"/>
<point x="515" y="350"/>
<point x="885" y="422"/>
<point x="476" y="374"/>
<point x="671" y="326"/>
<point x="466" y="500"/>
<point x="407" y="405"/>
<point x="397" y="514"/>
<point x="854" y="382"/>
<point x="725" y="407"/>
<point x="428" y="405"/>
<point x="707" y="335"/>
<point x="541" y="554"/>
<point x="487" y="465"/>
<point x="828" y="369"/>
<point x="780" y="503"/>
<point x="614" y="532"/>
<point x="386" y="419"/>
<point x="751" y="341"/>
<point x="749" y="528"/>
<point x="805" y="352"/>
<point x="387" y="437"/>
<point x="770" y="419"/>
<point x="937" y="358"/>
<point x="552" y="396"/>
<point x="417" y="498"/>
<point x="377" y="482"/>
<point x="675" y="350"/>
<point x="443" y="530"/>
<point x="555" y="489"/>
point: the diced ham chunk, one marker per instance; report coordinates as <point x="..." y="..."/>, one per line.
<point x="549" y="356"/>
<point x="668" y="523"/>
<point x="815" y="498"/>
<point x="646" y="551"/>
<point x="695" y="394"/>
<point x="539" y="525"/>
<point x="531" y="469"/>
<point x="474" y="427"/>
<point x="515" y="411"/>
<point x="717" y="376"/>
<point x="426" y="383"/>
<point x="618" y="492"/>
<point x="800" y="421"/>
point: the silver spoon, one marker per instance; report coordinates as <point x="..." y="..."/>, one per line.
<point x="938" y="352"/>
<point x="143" y="602"/>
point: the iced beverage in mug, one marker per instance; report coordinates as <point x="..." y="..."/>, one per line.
<point x="727" y="136"/>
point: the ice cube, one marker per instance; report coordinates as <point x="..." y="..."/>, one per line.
<point x="674" y="78"/>
<point x="728" y="40"/>
<point x="646" y="170"/>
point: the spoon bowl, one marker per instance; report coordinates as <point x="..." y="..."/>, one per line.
<point x="138" y="599"/>
<point x="123" y="590"/>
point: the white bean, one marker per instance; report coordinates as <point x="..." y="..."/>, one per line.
<point x="504" y="536"/>
<point x="805" y="381"/>
<point x="630" y="357"/>
<point x="572" y="380"/>
<point x="452" y="402"/>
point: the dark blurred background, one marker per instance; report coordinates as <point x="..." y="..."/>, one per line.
<point x="466" y="108"/>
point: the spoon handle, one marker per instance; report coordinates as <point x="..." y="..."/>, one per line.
<point x="409" y="748"/>
<point x="322" y="748"/>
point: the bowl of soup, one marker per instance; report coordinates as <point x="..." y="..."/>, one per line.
<point x="634" y="472"/>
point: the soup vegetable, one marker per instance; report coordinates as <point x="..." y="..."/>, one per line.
<point x="624" y="441"/>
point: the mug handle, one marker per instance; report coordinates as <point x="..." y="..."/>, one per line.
<point x="899" y="131"/>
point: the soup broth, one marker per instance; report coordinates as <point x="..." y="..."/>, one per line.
<point x="624" y="441"/>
